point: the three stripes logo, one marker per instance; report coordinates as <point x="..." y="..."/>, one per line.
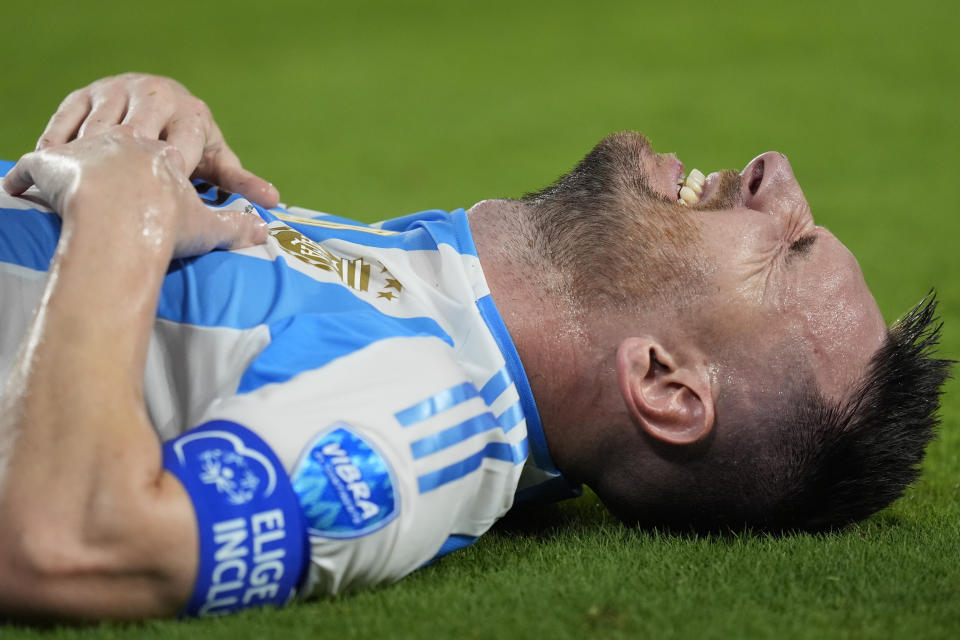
<point x="496" y="447"/>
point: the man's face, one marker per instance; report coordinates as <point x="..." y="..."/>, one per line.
<point x="765" y="276"/>
<point x="781" y="279"/>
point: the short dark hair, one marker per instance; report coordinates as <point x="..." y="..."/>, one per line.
<point x="854" y="459"/>
<point x="827" y="464"/>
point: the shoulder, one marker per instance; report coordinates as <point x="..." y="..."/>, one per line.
<point x="392" y="451"/>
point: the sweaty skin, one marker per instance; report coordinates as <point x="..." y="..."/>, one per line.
<point x="773" y="282"/>
<point x="92" y="526"/>
<point x="782" y="277"/>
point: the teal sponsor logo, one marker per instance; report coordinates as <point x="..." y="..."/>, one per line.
<point x="345" y="486"/>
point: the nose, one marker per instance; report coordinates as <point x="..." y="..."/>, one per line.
<point x="768" y="184"/>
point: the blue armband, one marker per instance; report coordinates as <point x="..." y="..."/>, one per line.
<point x="252" y="537"/>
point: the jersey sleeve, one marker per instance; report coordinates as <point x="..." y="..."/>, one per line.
<point x="251" y="538"/>
<point x="392" y="453"/>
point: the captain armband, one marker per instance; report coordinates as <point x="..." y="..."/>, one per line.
<point x="252" y="538"/>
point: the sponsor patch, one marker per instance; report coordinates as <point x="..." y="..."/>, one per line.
<point x="253" y="543"/>
<point x="345" y="486"/>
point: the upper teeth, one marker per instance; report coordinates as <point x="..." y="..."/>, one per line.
<point x="691" y="188"/>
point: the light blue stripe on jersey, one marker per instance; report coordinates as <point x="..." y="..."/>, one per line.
<point x="29" y="237"/>
<point x="424" y="230"/>
<point x="405" y="222"/>
<point x="453" y="396"/>
<point x="450" y="228"/>
<point x="436" y="403"/>
<point x="214" y="196"/>
<point x="5" y="166"/>
<point x="454" y="543"/>
<point x="538" y="441"/>
<point x="226" y="289"/>
<point x="452" y="435"/>
<point x="465" y="430"/>
<point x="511" y="417"/>
<point x="495" y="386"/>
<point x="515" y="453"/>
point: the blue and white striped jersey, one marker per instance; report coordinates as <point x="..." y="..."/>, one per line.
<point x="336" y="342"/>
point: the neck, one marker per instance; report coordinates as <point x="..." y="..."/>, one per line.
<point x="568" y="373"/>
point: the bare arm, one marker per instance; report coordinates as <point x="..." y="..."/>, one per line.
<point x="91" y="527"/>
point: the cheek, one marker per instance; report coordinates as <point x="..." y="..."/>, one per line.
<point x="745" y="263"/>
<point x="835" y="303"/>
<point x="843" y="328"/>
<point x="828" y="326"/>
<point x="838" y="322"/>
<point x="738" y="234"/>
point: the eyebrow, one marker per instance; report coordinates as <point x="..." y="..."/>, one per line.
<point x="801" y="246"/>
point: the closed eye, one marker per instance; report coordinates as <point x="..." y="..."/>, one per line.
<point x="801" y="246"/>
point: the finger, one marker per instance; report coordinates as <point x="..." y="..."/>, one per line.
<point x="107" y="110"/>
<point x="20" y="178"/>
<point x="66" y="121"/>
<point x="208" y="157"/>
<point x="221" y="166"/>
<point x="206" y="229"/>
<point x="251" y="229"/>
<point x="148" y="116"/>
<point x="237" y="229"/>
<point x="249" y="185"/>
<point x="189" y="138"/>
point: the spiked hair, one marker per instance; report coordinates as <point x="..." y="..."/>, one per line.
<point x="825" y="465"/>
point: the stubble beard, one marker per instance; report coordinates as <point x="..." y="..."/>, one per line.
<point x="618" y="242"/>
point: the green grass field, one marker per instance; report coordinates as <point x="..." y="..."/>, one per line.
<point x="375" y="109"/>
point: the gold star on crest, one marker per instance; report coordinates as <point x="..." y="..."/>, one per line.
<point x="389" y="295"/>
<point x="393" y="282"/>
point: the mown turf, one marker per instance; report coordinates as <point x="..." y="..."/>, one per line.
<point x="375" y="109"/>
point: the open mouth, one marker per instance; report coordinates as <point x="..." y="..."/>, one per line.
<point x="690" y="187"/>
<point x="695" y="188"/>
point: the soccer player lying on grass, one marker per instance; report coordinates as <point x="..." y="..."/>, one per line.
<point x="338" y="404"/>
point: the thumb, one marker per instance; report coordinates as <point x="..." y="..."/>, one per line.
<point x="20" y="177"/>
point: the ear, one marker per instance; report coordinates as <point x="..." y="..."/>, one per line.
<point x="668" y="394"/>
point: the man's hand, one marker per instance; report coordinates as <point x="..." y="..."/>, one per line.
<point x="91" y="526"/>
<point x="157" y="108"/>
<point x="140" y="186"/>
